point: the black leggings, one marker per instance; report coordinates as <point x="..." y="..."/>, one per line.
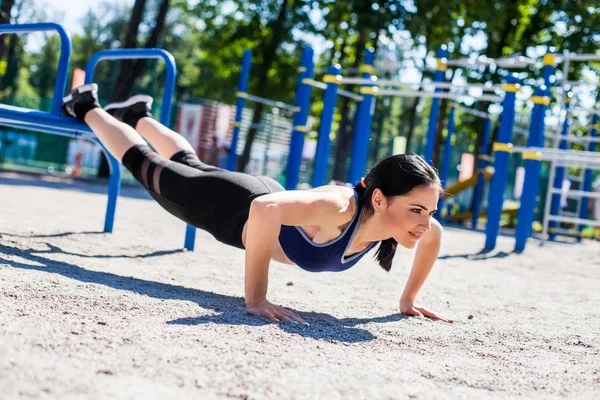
<point x="207" y="197"/>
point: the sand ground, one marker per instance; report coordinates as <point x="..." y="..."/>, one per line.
<point x="89" y="315"/>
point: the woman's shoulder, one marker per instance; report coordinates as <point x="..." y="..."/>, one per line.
<point x="344" y="196"/>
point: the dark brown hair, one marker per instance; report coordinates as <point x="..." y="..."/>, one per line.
<point x="395" y="176"/>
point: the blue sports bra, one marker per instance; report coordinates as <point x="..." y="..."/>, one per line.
<point x="329" y="256"/>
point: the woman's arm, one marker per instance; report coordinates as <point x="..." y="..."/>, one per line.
<point x="267" y="214"/>
<point x="425" y="257"/>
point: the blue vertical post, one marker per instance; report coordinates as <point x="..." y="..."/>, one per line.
<point x="533" y="166"/>
<point x="447" y="155"/>
<point x="502" y="149"/>
<point x="332" y="79"/>
<point x="549" y="61"/>
<point x="587" y="175"/>
<point x="435" y="104"/>
<point x="303" y="92"/>
<point x="483" y="162"/>
<point x="240" y="101"/>
<point x="362" y="123"/>
<point x="560" y="171"/>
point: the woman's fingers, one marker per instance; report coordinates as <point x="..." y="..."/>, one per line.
<point x="434" y="315"/>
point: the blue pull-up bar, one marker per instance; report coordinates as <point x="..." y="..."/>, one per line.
<point x="63" y="61"/>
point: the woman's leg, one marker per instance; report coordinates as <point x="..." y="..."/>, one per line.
<point x="136" y="112"/>
<point x="166" y="142"/>
<point x="116" y="136"/>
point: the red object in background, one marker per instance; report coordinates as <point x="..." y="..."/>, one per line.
<point x="467" y="162"/>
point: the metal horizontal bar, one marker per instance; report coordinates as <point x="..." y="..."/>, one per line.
<point x="520" y="131"/>
<point x="350" y="95"/>
<point x="580" y="57"/>
<point x="272" y="103"/>
<point x="31" y="117"/>
<point x="573" y="220"/>
<point x="578" y="139"/>
<point x="359" y="81"/>
<point x="417" y="93"/>
<point x="576" y="193"/>
<point x="266" y="126"/>
<point x="313" y="83"/>
<point x="560" y="152"/>
<point x="442" y="85"/>
<point x="476" y="113"/>
<point x="49" y="129"/>
<point x="566" y="232"/>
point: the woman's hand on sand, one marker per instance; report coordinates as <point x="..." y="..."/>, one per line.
<point x="410" y="308"/>
<point x="274" y="312"/>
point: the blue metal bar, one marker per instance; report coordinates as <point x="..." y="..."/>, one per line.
<point x="362" y="124"/>
<point x="587" y="175"/>
<point x="502" y="148"/>
<point x="435" y="105"/>
<point x="171" y="69"/>
<point x="483" y="162"/>
<point x="303" y="93"/>
<point x="533" y="166"/>
<point x="560" y="171"/>
<point x="324" y="143"/>
<point x="240" y="101"/>
<point x="165" y="116"/>
<point x="445" y="167"/>
<point x="63" y="61"/>
<point x="549" y="63"/>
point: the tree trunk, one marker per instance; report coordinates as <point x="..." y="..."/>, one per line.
<point x="412" y="113"/>
<point x="127" y="76"/>
<point x="268" y="58"/>
<point x="343" y="146"/>
<point x="438" y="133"/>
<point x="131" y="69"/>
<point x="5" y="9"/>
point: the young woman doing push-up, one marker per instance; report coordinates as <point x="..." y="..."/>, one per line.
<point x="328" y="228"/>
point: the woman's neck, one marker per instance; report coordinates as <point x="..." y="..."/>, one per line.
<point x="369" y="230"/>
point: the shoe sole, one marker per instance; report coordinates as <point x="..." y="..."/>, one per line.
<point x="139" y="98"/>
<point x="85" y="88"/>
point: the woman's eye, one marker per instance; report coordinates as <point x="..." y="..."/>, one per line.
<point x="416" y="210"/>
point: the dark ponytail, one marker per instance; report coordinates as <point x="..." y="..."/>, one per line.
<point x="395" y="176"/>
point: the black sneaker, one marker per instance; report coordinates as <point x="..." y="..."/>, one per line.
<point x="131" y="110"/>
<point x="81" y="100"/>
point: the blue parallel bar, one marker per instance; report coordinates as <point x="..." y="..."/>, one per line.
<point x="171" y="69"/>
<point x="445" y="167"/>
<point x="587" y="175"/>
<point x="533" y="166"/>
<point x="240" y="101"/>
<point x="483" y="162"/>
<point x="560" y="171"/>
<point x="324" y="141"/>
<point x="63" y="61"/>
<point x="303" y="93"/>
<point x="502" y="149"/>
<point x="362" y="124"/>
<point x="435" y="104"/>
<point x="114" y="184"/>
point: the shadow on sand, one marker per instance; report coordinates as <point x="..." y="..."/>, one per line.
<point x="231" y="310"/>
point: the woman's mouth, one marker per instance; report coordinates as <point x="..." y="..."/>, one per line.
<point x="413" y="236"/>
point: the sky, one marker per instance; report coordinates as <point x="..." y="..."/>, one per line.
<point x="69" y="12"/>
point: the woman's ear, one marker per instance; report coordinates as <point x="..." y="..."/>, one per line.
<point x="378" y="200"/>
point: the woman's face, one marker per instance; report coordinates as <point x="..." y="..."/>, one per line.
<point x="406" y="218"/>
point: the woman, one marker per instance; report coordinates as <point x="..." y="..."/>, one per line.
<point x="328" y="228"/>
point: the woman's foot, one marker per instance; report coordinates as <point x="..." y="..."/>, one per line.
<point x="81" y="100"/>
<point x="131" y="110"/>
